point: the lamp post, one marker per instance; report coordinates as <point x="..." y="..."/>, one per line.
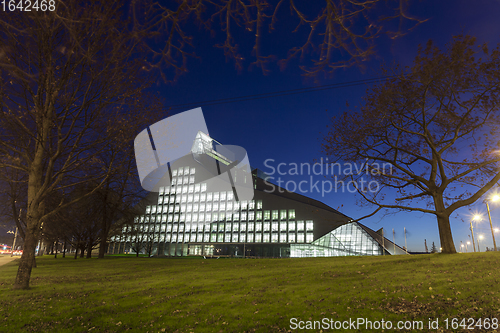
<point x="494" y="198"/>
<point x="474" y="218"/>
<point x="480" y="237"/>
<point x="466" y="246"/>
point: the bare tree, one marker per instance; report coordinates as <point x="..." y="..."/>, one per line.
<point x="429" y="137"/>
<point x="69" y="77"/>
<point x="328" y="34"/>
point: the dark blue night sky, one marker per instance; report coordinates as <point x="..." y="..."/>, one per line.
<point x="288" y="129"/>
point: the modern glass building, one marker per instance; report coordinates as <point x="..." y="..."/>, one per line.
<point x="194" y="215"/>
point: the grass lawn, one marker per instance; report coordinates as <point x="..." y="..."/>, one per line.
<point x="251" y="295"/>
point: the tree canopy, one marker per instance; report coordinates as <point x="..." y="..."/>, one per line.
<point x="436" y="125"/>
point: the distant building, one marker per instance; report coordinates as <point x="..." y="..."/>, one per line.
<point x="189" y="218"/>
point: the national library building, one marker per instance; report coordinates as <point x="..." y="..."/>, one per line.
<point x="195" y="216"/>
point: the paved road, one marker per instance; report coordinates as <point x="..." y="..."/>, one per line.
<point x="6" y="259"/>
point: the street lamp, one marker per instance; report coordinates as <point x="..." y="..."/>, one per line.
<point x="494" y="198"/>
<point x="480" y="237"/>
<point x="476" y="217"/>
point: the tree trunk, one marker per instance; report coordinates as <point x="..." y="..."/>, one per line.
<point x="82" y="251"/>
<point x="102" y="245"/>
<point x="56" y="247"/>
<point x="76" y="251"/>
<point x="443" y="218"/>
<point x="445" y="235"/>
<point x="64" y="249"/>
<point x="89" y="249"/>
<point x="28" y="257"/>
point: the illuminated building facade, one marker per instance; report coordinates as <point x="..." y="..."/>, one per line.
<point x="189" y="217"/>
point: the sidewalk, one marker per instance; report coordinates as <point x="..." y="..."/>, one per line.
<point x="7" y="258"/>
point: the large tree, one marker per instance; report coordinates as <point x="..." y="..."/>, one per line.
<point x="70" y="72"/>
<point x="69" y="78"/>
<point x="429" y="136"/>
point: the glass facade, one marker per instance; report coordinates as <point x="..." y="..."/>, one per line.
<point x="187" y="218"/>
<point x="347" y="240"/>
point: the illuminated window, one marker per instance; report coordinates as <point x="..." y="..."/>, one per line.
<point x="167" y="190"/>
<point x="223" y="195"/>
<point x="182" y="217"/>
<point x="291" y="238"/>
<point x="186" y="181"/>
<point x="208" y="217"/>
<point x="213" y="237"/>
<point x="243" y="216"/>
<point x="283" y="226"/>
<point x="300" y="226"/>
<point x="283" y="214"/>
<point x="242" y="238"/>
<point x="265" y="238"/>
<point x="243" y="226"/>
<point x="174" y="181"/>
<point x="230" y="195"/>
<point x="215" y="206"/>
<point x="258" y="238"/>
<point x="191" y="180"/>
<point x="183" y="207"/>
<point x="259" y="216"/>
<point x="203" y="197"/>
<point x="181" y="171"/>
<point x="195" y="207"/>
<point x="258" y="226"/>
<point x="259" y="204"/>
<point x="236" y="205"/>
<point x="235" y="226"/>
<point x="197" y="187"/>
<point x="267" y="225"/>
<point x="186" y="170"/>
<point x="202" y="207"/>
<point x="174" y="173"/>
<point x="267" y="215"/>
<point x="222" y="216"/>
<point x="190" y="198"/>
<point x="275" y="226"/>
<point x="251" y="216"/>
<point x="148" y="209"/>
<point x="160" y="200"/>
<point x="309" y="225"/>
<point x="291" y="214"/>
<point x="201" y="217"/>
<point x="188" y="217"/>
<point x="251" y="204"/>
<point x="195" y="217"/>
<point x="244" y="204"/>
<point x="185" y="189"/>
<point x="220" y="238"/>
<point x="236" y="216"/>
<point x="309" y="237"/>
<point x="203" y="187"/>
<point x="227" y="238"/>
<point x="164" y="218"/>
<point x="300" y="238"/>
<point x="206" y="237"/>
<point x="192" y="171"/>
<point x="216" y="196"/>
<point x="209" y="196"/>
<point x="196" y="197"/>
<point x="250" y="227"/>
<point x="291" y="226"/>
<point x="191" y="189"/>
<point x="193" y="237"/>
<point x="275" y="214"/>
<point x="250" y="238"/>
<point x="215" y="217"/>
<point x="209" y="207"/>
<point x="229" y="205"/>
<point x="235" y="238"/>
<point x="274" y="237"/>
